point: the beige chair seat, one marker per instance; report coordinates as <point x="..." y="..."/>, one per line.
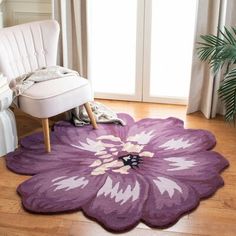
<point x="42" y="100"/>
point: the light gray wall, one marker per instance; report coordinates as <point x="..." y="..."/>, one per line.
<point x="22" y="11"/>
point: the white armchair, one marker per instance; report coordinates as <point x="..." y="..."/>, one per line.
<point x="27" y="47"/>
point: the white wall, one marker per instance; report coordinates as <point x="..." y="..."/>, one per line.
<point x="22" y="11"/>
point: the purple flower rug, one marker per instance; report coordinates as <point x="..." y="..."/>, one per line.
<point x="152" y="170"/>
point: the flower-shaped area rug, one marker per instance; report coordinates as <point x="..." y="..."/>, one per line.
<point x="152" y="170"/>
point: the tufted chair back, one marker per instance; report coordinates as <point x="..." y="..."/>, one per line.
<point x="27" y="47"/>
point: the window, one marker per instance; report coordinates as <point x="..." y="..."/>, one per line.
<point x="141" y="49"/>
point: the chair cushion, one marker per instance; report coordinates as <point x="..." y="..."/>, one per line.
<point x="49" y="98"/>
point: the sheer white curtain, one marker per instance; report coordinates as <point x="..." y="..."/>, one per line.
<point x="71" y="15"/>
<point x="204" y="85"/>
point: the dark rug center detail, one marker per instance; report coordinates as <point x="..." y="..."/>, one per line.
<point x="151" y="170"/>
<point x="131" y="160"/>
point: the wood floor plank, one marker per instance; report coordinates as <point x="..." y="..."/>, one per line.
<point x="35" y="223"/>
<point x="87" y="229"/>
<point x="8" y="193"/>
<point x="9" y="206"/>
<point x="207" y="227"/>
<point x="18" y="232"/>
<point x="214" y="216"/>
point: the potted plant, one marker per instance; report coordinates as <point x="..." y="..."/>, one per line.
<point x="220" y="52"/>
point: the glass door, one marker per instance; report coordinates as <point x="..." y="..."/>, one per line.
<point x="141" y="49"/>
<point x="114" y="48"/>
<point x="169" y="38"/>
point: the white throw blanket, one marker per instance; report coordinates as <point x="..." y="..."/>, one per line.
<point x="79" y="116"/>
<point x="22" y="83"/>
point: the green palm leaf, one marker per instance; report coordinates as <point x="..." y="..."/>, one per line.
<point x="219" y="51"/>
<point x="227" y="93"/>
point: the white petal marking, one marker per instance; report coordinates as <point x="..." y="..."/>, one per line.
<point x="167" y="185"/>
<point x="122" y="170"/>
<point x="105" y="156"/>
<point x="180" y="163"/>
<point x="109" y="137"/>
<point x="91" y="145"/>
<point x="109" y="145"/>
<point x="100" y="153"/>
<point x="96" y="163"/>
<point x="70" y="183"/>
<point x="141" y="138"/>
<point x="130" y="147"/>
<point x="106" y="166"/>
<point x="176" y="144"/>
<point x="108" y="160"/>
<point x="121" y="195"/>
<point x="146" y="154"/>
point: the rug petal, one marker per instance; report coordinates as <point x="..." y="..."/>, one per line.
<point x="36" y="141"/>
<point x="199" y="172"/>
<point x="152" y="128"/>
<point x="29" y="162"/>
<point x="178" y="141"/>
<point x="60" y="190"/>
<point x="128" y="120"/>
<point x="87" y="135"/>
<point x="67" y="131"/>
<point x="118" y="204"/>
<point x="31" y="158"/>
<point x="69" y="134"/>
<point x="168" y="200"/>
<point x="207" y="187"/>
<point x="199" y="166"/>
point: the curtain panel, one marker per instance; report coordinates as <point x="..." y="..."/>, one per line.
<point x="72" y="51"/>
<point x="203" y="95"/>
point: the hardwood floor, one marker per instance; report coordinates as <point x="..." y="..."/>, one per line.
<point x="214" y="216"/>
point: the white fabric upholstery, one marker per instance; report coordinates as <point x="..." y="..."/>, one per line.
<point x="42" y="100"/>
<point x="25" y="48"/>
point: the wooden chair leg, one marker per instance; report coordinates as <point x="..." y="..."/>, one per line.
<point x="46" y="133"/>
<point x="91" y="116"/>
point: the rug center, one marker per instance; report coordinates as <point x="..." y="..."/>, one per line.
<point x="131" y="160"/>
